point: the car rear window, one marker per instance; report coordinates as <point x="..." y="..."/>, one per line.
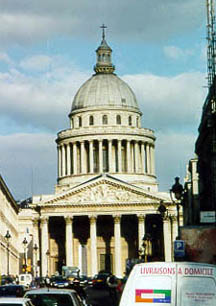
<point x="51" y="299"/>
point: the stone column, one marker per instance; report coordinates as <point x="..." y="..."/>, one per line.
<point x="35" y="242"/>
<point x="91" y="158"/>
<point x="152" y="160"/>
<point x="174" y="232"/>
<point x="147" y="159"/>
<point x="69" y="241"/>
<point x="117" y="238"/>
<point x="83" y="158"/>
<point x="59" y="162"/>
<point x="110" y="155"/>
<point x="93" y="237"/>
<point x="75" y="158"/>
<point x="119" y="155"/>
<point x="167" y="239"/>
<point x="141" y="229"/>
<point x="143" y="158"/>
<point x="63" y="161"/>
<point x="68" y="159"/>
<point x="44" y="245"/>
<point x="136" y="157"/>
<point x="100" y="156"/>
<point x="128" y="156"/>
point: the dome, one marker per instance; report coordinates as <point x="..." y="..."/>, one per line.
<point x="105" y="90"/>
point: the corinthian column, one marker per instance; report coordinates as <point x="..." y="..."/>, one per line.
<point x="44" y="245"/>
<point x="100" y="156"/>
<point x="117" y="237"/>
<point x="141" y="229"/>
<point x="63" y="161"/>
<point x="91" y="160"/>
<point x="136" y="157"/>
<point x="110" y="155"/>
<point x="119" y="156"/>
<point x="69" y="241"/>
<point x="83" y="158"/>
<point x="167" y="239"/>
<point x="75" y="158"/>
<point x="93" y="237"/>
<point x="128" y="157"/>
<point x="59" y="162"/>
<point x="68" y="159"/>
<point x="143" y="157"/>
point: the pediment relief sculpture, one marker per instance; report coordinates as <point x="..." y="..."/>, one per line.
<point x="104" y="193"/>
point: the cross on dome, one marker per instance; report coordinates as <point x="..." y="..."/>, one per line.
<point x="103" y="27"/>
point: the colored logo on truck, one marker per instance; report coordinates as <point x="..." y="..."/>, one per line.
<point x="153" y="296"/>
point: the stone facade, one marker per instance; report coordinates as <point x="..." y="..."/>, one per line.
<point x="106" y="198"/>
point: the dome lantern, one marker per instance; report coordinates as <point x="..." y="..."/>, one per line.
<point x="104" y="56"/>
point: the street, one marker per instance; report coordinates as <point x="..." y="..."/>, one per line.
<point x="99" y="297"/>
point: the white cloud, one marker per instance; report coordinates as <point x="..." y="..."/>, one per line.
<point x="38" y="63"/>
<point x="175" y="53"/>
<point x="30" y="21"/>
<point x="5" y="58"/>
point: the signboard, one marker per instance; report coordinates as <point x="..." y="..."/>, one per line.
<point x="179" y="248"/>
<point x="207" y="217"/>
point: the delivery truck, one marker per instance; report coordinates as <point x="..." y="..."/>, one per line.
<point x="170" y="284"/>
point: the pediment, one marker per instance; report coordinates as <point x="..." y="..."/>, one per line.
<point x="104" y="191"/>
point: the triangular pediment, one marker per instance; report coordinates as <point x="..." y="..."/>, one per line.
<point x="104" y="190"/>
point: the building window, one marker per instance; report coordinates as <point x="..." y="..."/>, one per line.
<point x="105" y="119"/>
<point x="91" y="120"/>
<point x="129" y="120"/>
<point x="72" y="123"/>
<point x="137" y="121"/>
<point x="80" y="121"/>
<point x="118" y="119"/>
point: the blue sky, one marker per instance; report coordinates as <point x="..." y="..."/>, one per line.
<point x="47" y="51"/>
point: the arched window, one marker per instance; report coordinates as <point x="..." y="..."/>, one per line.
<point x="105" y="119"/>
<point x="91" y="120"/>
<point x="129" y="120"/>
<point x="137" y="121"/>
<point x="118" y="119"/>
<point x="72" y="123"/>
<point x="80" y="121"/>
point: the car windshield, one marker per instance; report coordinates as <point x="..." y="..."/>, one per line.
<point x="51" y="299"/>
<point x="10" y="304"/>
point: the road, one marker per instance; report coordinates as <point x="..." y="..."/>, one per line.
<point x="99" y="297"/>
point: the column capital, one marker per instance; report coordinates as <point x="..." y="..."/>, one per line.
<point x="68" y="219"/>
<point x="93" y="219"/>
<point x="44" y="220"/>
<point x="35" y="221"/>
<point x="141" y="218"/>
<point x="117" y="219"/>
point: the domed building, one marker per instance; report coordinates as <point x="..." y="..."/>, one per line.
<point x="106" y="205"/>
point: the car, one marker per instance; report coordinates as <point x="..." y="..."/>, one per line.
<point x="15" y="302"/>
<point x="100" y="279"/>
<point x="12" y="290"/>
<point x="59" y="282"/>
<point x="53" y="297"/>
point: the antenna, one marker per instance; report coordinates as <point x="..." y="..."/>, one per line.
<point x="211" y="41"/>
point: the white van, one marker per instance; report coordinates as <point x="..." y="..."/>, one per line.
<point x="170" y="284"/>
<point x="25" y="279"/>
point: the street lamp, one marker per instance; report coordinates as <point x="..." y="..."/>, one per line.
<point x="25" y="242"/>
<point x="146" y="247"/>
<point x="178" y="191"/>
<point x="8" y="237"/>
<point x="47" y="254"/>
<point x="35" y="248"/>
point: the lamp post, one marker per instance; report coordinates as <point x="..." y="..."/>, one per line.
<point x="178" y="191"/>
<point x="25" y="242"/>
<point x="47" y="254"/>
<point x="35" y="248"/>
<point x="146" y="247"/>
<point x="8" y="237"/>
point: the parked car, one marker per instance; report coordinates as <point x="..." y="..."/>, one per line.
<point x="12" y="290"/>
<point x="15" y="302"/>
<point x="100" y="279"/>
<point x="52" y="297"/>
<point x="59" y="282"/>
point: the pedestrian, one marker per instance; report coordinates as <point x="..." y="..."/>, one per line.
<point x="112" y="283"/>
